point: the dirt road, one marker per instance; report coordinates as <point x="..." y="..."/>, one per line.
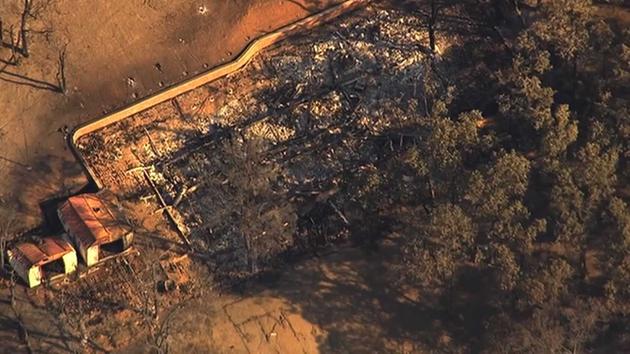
<point x="115" y="52"/>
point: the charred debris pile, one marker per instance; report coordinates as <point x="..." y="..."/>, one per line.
<point x="274" y="159"/>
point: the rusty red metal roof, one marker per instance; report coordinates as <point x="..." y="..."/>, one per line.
<point x="50" y="249"/>
<point x="90" y="220"/>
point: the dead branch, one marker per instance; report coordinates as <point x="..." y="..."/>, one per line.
<point x="153" y="146"/>
<point x="13" y="59"/>
<point x="183" y="192"/>
<point x="5" y="228"/>
<point x="166" y="207"/>
<point x="341" y="215"/>
<point x="61" y="69"/>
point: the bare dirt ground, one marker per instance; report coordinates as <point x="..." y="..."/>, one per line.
<point x="337" y="303"/>
<point x="315" y="101"/>
<point x="115" y="53"/>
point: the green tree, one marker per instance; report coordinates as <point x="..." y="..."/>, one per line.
<point x="563" y="26"/>
<point x="529" y="108"/>
<point x="547" y="283"/>
<point x="505" y="267"/>
<point x="442" y="146"/>
<point x="566" y="207"/>
<point x="495" y="199"/>
<point x="617" y="238"/>
<point x="596" y="173"/>
<point x="434" y="249"/>
<point x="618" y="217"/>
<point x="617" y="288"/>
<point x="542" y="332"/>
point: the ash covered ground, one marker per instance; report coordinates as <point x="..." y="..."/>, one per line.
<point x="294" y="130"/>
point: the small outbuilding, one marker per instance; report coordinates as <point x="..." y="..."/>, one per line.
<point x="48" y="260"/>
<point x="94" y="228"/>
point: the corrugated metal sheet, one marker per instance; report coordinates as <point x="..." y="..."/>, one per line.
<point x="28" y="254"/>
<point x="52" y="246"/>
<point x="88" y="219"/>
<point x="31" y="254"/>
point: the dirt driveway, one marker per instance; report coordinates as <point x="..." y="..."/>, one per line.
<point x="115" y="53"/>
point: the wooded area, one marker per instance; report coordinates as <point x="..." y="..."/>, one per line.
<point x="528" y="212"/>
<point x="500" y="172"/>
<point x="507" y="182"/>
<point x="502" y="168"/>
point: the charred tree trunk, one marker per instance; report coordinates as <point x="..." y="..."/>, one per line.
<point x="3" y="244"/>
<point x="61" y="71"/>
<point x="519" y="13"/>
<point x="432" y="23"/>
<point x="23" y="28"/>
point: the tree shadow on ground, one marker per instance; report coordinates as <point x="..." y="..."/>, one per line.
<point x="8" y="335"/>
<point x="353" y="296"/>
<point x="350" y="296"/>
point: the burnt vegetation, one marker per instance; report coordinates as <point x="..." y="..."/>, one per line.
<point x="504" y="179"/>
<point x="24" y="24"/>
<point x="495" y="157"/>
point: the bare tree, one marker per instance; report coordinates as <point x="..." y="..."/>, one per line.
<point x="7" y="223"/>
<point x="259" y="210"/>
<point x="26" y="14"/>
<point x="432" y="21"/>
<point x="18" y="40"/>
<point x="30" y="11"/>
<point x="17" y="37"/>
<point x="159" y="330"/>
<point x="14" y="58"/>
<point x="432" y="12"/>
<point x="61" y="70"/>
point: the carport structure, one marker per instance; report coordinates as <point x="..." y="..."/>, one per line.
<point x="94" y="228"/>
<point x="48" y="260"/>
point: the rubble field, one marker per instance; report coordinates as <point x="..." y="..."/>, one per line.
<point x="314" y="102"/>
